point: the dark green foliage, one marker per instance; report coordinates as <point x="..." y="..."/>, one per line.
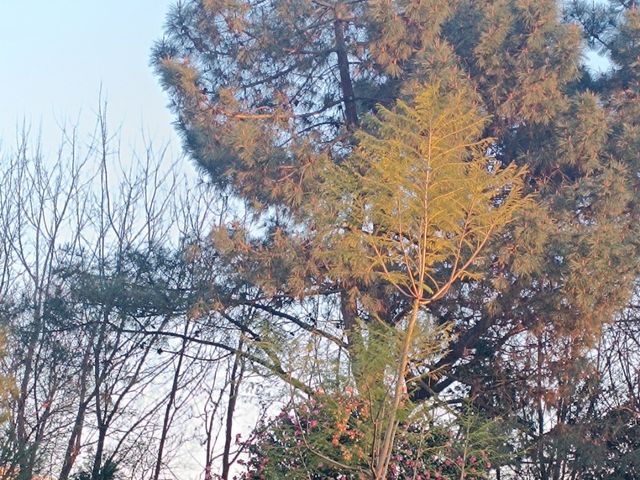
<point x="316" y="441"/>
<point x="108" y="472"/>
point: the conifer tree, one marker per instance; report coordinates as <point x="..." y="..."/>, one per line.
<point x="268" y="93"/>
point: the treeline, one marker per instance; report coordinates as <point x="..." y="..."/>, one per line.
<point x="103" y="284"/>
<point x="418" y="233"/>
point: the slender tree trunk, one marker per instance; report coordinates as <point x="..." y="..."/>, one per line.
<point x="25" y="451"/>
<point x="73" y="446"/>
<point x="208" y="472"/>
<point x="97" y="460"/>
<point x="383" y="456"/>
<point x="234" y="386"/>
<point x="170" y="403"/>
<point x="346" y="85"/>
<point x="101" y="417"/>
<point x="541" y="460"/>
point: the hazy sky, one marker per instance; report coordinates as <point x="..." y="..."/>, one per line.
<point x="55" y="55"/>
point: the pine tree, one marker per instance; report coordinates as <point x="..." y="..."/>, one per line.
<point x="268" y="94"/>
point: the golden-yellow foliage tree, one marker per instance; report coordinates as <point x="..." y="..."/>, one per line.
<point x="413" y="208"/>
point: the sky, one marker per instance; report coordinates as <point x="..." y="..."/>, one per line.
<point x="56" y="56"/>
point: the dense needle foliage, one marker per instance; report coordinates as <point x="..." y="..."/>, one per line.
<point x="267" y="93"/>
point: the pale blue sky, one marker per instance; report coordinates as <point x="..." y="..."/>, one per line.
<point x="55" y="54"/>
